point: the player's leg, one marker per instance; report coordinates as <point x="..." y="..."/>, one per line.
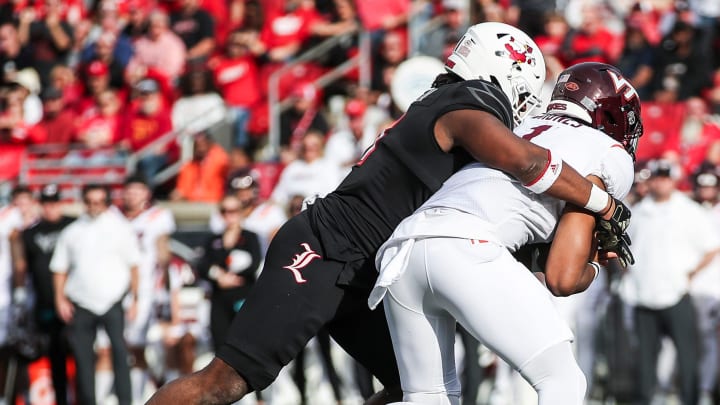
<point x="294" y="296"/>
<point x="504" y="306"/>
<point x="136" y="337"/>
<point x="423" y="336"/>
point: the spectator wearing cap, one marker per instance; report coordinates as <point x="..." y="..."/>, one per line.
<point x="94" y="265"/>
<point x="148" y="119"/>
<point x="97" y="80"/>
<point x="259" y="216"/>
<point x="237" y="78"/>
<point x="32" y="252"/>
<point x="203" y="178"/>
<point x="58" y="121"/>
<point x="14" y="125"/>
<point x="103" y="50"/>
<point x="49" y="37"/>
<point x="196" y="28"/>
<point x="705" y="286"/>
<point x="673" y="241"/>
<point x="26" y="83"/>
<point x="345" y="145"/>
<point x="304" y="116"/>
<point x="160" y="48"/>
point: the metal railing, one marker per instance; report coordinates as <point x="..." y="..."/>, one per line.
<point x="277" y="106"/>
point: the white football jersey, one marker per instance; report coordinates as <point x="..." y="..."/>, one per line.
<point x="10" y="220"/>
<point x="514" y="214"/>
<point x="149" y="226"/>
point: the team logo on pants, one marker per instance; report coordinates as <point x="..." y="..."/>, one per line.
<point x="300" y="261"/>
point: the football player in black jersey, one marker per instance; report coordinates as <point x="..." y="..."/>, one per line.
<point x="320" y="268"/>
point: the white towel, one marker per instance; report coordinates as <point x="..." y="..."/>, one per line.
<point x="393" y="263"/>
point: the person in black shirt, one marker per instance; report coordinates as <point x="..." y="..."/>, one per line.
<point x="195" y="27"/>
<point x="319" y="267"/>
<point x="229" y="263"/>
<point x="31" y="258"/>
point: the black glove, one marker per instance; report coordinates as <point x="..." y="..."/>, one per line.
<point x="611" y="233"/>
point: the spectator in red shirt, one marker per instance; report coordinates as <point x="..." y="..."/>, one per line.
<point x="236" y="75"/>
<point x="97" y="80"/>
<point x="381" y="16"/>
<point x="196" y="27"/>
<point x="64" y="79"/>
<point x="697" y="134"/>
<point x="551" y="40"/>
<point x="13" y="127"/>
<point x="283" y="35"/>
<point x="147" y="120"/>
<point x="58" y="121"/>
<point x="591" y="42"/>
<point x="101" y="129"/>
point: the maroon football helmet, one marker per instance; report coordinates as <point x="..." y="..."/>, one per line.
<point x="598" y="95"/>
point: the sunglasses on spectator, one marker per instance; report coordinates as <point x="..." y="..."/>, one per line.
<point x="226" y="210"/>
<point x="94" y="202"/>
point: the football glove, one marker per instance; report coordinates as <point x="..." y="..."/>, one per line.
<point x="612" y="235"/>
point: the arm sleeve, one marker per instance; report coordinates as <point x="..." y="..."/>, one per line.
<point x="60" y="261"/>
<point x="207" y="259"/>
<point x="616" y="171"/>
<point x="252" y="245"/>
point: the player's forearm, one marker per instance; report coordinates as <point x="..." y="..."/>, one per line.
<point x="557" y="179"/>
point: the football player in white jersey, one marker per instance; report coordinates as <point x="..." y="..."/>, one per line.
<point x="451" y="260"/>
<point x="153" y="226"/>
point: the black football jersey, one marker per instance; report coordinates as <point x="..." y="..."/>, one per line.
<point x="399" y="172"/>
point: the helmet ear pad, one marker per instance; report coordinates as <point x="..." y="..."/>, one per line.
<point x="598" y="94"/>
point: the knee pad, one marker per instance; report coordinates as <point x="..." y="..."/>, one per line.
<point x="556" y="376"/>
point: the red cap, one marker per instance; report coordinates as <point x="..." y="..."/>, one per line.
<point x="306" y="91"/>
<point x="97" y="68"/>
<point x="355" y="108"/>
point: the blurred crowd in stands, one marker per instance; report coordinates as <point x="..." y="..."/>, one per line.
<point x="183" y="86"/>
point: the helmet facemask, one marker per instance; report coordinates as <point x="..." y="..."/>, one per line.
<point x="524" y="101"/>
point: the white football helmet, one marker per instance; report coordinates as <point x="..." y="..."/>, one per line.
<point x="506" y="56"/>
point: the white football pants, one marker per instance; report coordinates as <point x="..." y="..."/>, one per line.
<point x="497" y="300"/>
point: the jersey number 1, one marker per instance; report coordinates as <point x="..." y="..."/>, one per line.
<point x="536" y="131"/>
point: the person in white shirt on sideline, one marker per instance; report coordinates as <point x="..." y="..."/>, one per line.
<point x="705" y="286"/>
<point x="673" y="240"/>
<point x="95" y="264"/>
<point x="308" y="175"/>
<point x="451" y="260"/>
